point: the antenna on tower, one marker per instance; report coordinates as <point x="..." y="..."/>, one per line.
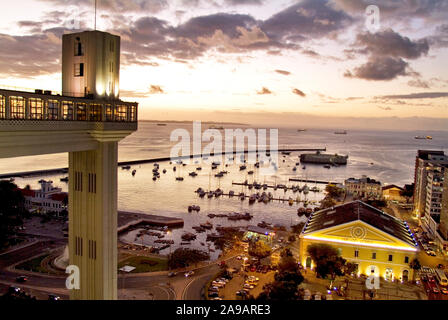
<point x="95" y="15"/>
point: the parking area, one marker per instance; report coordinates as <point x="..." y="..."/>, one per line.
<point x="432" y="285"/>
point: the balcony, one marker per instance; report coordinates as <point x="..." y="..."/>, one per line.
<point x="40" y="107"/>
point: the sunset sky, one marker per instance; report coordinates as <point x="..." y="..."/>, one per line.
<point x="250" y="60"/>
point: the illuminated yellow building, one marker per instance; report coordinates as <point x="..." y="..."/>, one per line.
<point x="376" y="242"/>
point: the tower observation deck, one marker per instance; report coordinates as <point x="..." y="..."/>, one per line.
<point x="87" y="120"/>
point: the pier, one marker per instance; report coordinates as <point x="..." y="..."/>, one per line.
<point x="128" y="220"/>
<point x="311" y="181"/>
<point x="144" y="161"/>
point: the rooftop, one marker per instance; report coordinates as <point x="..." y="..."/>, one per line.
<point x="359" y="211"/>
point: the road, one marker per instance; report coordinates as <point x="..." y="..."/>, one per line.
<point x="131" y="286"/>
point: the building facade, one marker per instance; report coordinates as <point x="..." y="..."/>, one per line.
<point x="365" y="188"/>
<point x="377" y="243"/>
<point x="424" y="157"/>
<point x="47" y="199"/>
<point x="393" y="193"/>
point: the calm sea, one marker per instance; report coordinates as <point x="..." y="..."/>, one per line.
<point x="386" y="156"/>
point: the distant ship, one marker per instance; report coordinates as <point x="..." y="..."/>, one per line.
<point x="301" y="130"/>
<point x="340" y="132"/>
<point x="161" y="124"/>
<point x="423" y="137"/>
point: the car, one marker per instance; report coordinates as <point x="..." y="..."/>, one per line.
<point x="217" y="284"/>
<point x="241" y="293"/>
<point x="217" y="298"/>
<point x="21" y="279"/>
<point x="13" y="289"/>
<point x="238" y="258"/>
<point x="214" y="289"/>
<point x="431" y="253"/>
<point x="213" y="295"/>
<point x="253" y="278"/>
<point x="435" y="290"/>
<point x="253" y="269"/>
<point x="172" y="274"/>
<point x="444" y="291"/>
<point x="53" y="297"/>
<point x="431" y="279"/>
<point x="248" y="286"/>
<point x="189" y="274"/>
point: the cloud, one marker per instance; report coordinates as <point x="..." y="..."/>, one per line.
<point x="380" y="68"/>
<point x="385" y="108"/>
<point x="429" y="10"/>
<point x="422" y="95"/>
<point x="391" y="43"/>
<point x="309" y="19"/>
<point x="298" y="92"/>
<point x="243" y="2"/>
<point x="418" y="83"/>
<point x="119" y="6"/>
<point x="283" y="72"/>
<point x="264" y="91"/>
<point x="18" y="55"/>
<point x="154" y="89"/>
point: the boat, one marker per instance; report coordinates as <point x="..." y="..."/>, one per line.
<point x="304" y="167"/>
<point x="291" y="201"/>
<point x="340" y="132"/>
<point x="134" y="172"/>
<point x="252" y="199"/>
<point x="161" y="124"/>
<point x="301" y="130"/>
<point x="164" y="171"/>
<point x="65" y="179"/>
<point x="154" y="178"/>
<point x="315" y="189"/>
<point x="243" y="167"/>
<point x="193" y="174"/>
<point x="198" y="169"/>
<point x="210" y="194"/>
<point x="179" y="179"/>
<point x="126" y="167"/>
<point x="423" y="138"/>
<point x="207" y="225"/>
<point x="294" y="169"/>
<point x="286" y="153"/>
<point x="250" y="172"/>
<point x="231" y="193"/>
<point x="327" y="166"/>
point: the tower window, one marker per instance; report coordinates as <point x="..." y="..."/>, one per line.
<point x="79" y="69"/>
<point x="79" y="48"/>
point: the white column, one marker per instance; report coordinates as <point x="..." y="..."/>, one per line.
<point x="93" y="221"/>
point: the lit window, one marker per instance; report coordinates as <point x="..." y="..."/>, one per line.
<point x="95" y="112"/>
<point x="79" y="69"/>
<point x="2" y="107"/>
<point x="109" y="113"/>
<point x="81" y="112"/>
<point x="121" y="113"/>
<point x="133" y="113"/>
<point x="53" y="109"/>
<point x="17" y="107"/>
<point x="67" y="110"/>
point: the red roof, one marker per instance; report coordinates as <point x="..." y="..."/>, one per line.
<point x="59" y="196"/>
<point x="27" y="192"/>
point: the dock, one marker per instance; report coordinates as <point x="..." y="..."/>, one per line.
<point x="145" y="161"/>
<point x="311" y="181"/>
<point x="128" y="220"/>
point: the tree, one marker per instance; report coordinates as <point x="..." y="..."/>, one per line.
<point x="334" y="191"/>
<point x="415" y="264"/>
<point x="286" y="280"/>
<point x="260" y="249"/>
<point x="183" y="257"/>
<point x="327" y="260"/>
<point x="11" y="211"/>
<point x="297" y="228"/>
<point x="327" y="202"/>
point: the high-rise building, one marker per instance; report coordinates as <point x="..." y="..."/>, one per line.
<point x="435" y="185"/>
<point x="442" y="234"/>
<point x="420" y="178"/>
